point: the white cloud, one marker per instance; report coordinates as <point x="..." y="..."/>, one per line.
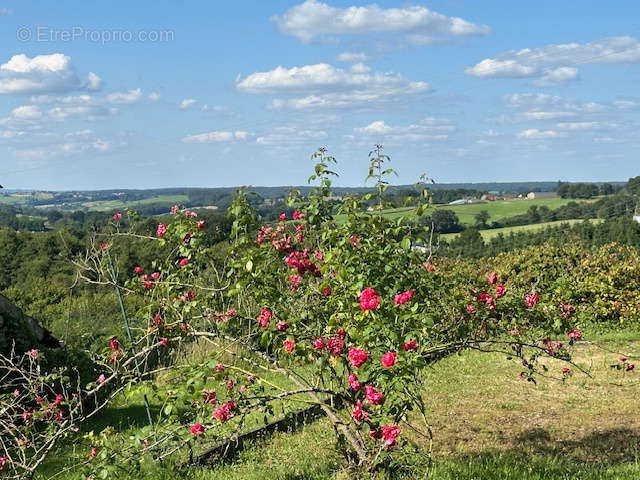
<point x="80" y="112"/>
<point x="215" y="136"/>
<point x="291" y="135"/>
<point x="534" y="133"/>
<point x="555" y="64"/>
<point x="188" y="102"/>
<point x="26" y="112"/>
<point x="350" y="57"/>
<point x="321" y="76"/>
<point x="557" y="76"/>
<point x="124" y="98"/>
<point x="541" y="115"/>
<point x="425" y="130"/>
<point x="43" y="74"/>
<point x="313" y="19"/>
<point x="584" y="125"/>
<point x="94" y="82"/>
<point x="326" y="86"/>
<point x="154" y="96"/>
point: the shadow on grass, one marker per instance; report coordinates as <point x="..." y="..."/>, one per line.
<point x="120" y="418"/>
<point x="606" y="447"/>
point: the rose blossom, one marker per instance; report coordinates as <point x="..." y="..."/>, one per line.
<point x="265" y="317"/>
<point x="353" y="382"/>
<point x="289" y="345"/>
<point x="389" y="434"/>
<point x="501" y="290"/>
<point x="369" y="299"/>
<point x="403" y="297"/>
<point x="531" y="299"/>
<point x="493" y="278"/>
<point x="318" y="343"/>
<point x="161" y="230"/>
<point x="357" y="356"/>
<point x="389" y="359"/>
<point x="282" y="326"/>
<point x="410" y="345"/>
<point x="197" y="429"/>
<point x="358" y="413"/>
<point x="373" y="395"/>
<point x="575" y="334"/>
<point x="225" y="412"/>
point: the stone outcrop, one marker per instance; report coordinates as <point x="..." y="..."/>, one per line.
<point x="22" y="329"/>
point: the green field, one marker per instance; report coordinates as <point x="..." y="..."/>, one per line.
<point x="106" y="205"/>
<point x="487" y="424"/>
<point x="497" y="210"/>
<point x="494" y="232"/>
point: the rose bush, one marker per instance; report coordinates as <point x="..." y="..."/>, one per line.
<point x="343" y="314"/>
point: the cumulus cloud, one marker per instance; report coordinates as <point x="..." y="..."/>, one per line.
<point x="187" y="103"/>
<point x="43" y="74"/>
<point x="291" y="135"/>
<point x="326" y="86"/>
<point x="534" y="134"/>
<point x="425" y="130"/>
<point x="154" y="96"/>
<point x="215" y="136"/>
<point x="351" y="57"/>
<point x="314" y="19"/>
<point x="556" y="63"/>
<point x="124" y="98"/>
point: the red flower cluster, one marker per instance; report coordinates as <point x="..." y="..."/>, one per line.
<point x="373" y="395"/>
<point x="300" y="261"/>
<point x="209" y="396"/>
<point x="358" y="413"/>
<point x="298" y="215"/>
<point x="264" y="317"/>
<point x="289" y="346"/>
<point x="225" y="411"/>
<point x="566" y="310"/>
<point x="197" y="429"/>
<point x="357" y="356"/>
<point x="531" y="299"/>
<point x="575" y="334"/>
<point x="410" y="345"/>
<point x="403" y="297"/>
<point x="369" y="299"/>
<point x="282" y="326"/>
<point x="353" y="382"/>
<point x="389" y="359"/>
<point x="390" y="434"/>
<point x="501" y="291"/>
<point x="161" y="230"/>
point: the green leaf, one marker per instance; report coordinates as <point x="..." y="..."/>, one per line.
<point x="249" y="265"/>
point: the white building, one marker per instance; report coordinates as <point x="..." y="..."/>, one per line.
<point x="636" y="218"/>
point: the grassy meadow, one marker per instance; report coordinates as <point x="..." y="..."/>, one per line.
<point x="487" y="424"/>
<point x="497" y="210"/>
<point x="494" y="232"/>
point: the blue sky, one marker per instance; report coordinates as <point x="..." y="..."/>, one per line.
<point x="200" y="93"/>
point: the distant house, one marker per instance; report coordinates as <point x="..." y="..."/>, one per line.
<point x="636" y="218"/>
<point x="538" y="195"/>
<point x="462" y="201"/>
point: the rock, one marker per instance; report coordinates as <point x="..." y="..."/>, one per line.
<point x="22" y="329"/>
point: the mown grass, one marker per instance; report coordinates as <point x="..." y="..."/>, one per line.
<point x="487" y="424"/>
<point x="494" y="232"/>
<point x="497" y="210"/>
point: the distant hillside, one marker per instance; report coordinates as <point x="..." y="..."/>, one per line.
<point x="162" y="198"/>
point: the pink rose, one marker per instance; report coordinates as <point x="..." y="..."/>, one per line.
<point x="197" y="429"/>
<point x="403" y="297"/>
<point x="389" y="359"/>
<point x="493" y="278"/>
<point x="161" y="230"/>
<point x="389" y="434"/>
<point x="289" y="346"/>
<point x="373" y="395"/>
<point x="353" y="382"/>
<point x="184" y="262"/>
<point x="410" y="345"/>
<point x="369" y="299"/>
<point x="358" y="413"/>
<point x="357" y="356"/>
